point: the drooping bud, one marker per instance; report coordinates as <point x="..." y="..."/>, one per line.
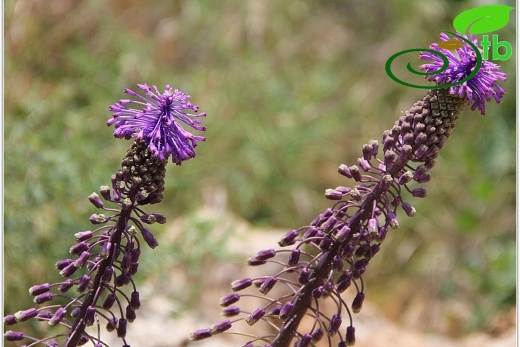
<point x="220" y="327"/>
<point x="335" y="323"/>
<point x="22" y="316"/>
<point x="358" y="302"/>
<point x="255" y="316"/>
<point x="241" y="284"/>
<point x="95" y="200"/>
<point x="231" y="311"/>
<point x="39" y="289"/>
<point x="14" y="336"/>
<point x="200" y="334"/>
<point x="149" y="238"/>
<point x="121" y="328"/>
<point x="289" y="238"/>
<point x="58" y="316"/>
<point x="229" y="299"/>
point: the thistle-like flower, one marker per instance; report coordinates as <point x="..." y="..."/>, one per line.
<point x="323" y="259"/>
<point x="157" y="123"/>
<point x="104" y="260"/>
<point x="477" y="90"/>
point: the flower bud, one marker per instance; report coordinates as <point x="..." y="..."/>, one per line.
<point x="332" y="194"/>
<point x="40" y="299"/>
<point x="229" y="299"/>
<point x="61" y="264"/>
<point x="294" y="258"/>
<point x="304" y="277"/>
<point x="66" y="285"/>
<point x="105" y="192"/>
<point x="255" y="262"/>
<point x="255" y="316"/>
<point x="78" y="248"/>
<point x="39" y="289"/>
<point x="326" y="243"/>
<point x="149" y="238"/>
<point x="241" y="284"/>
<point x="410" y="211"/>
<point x="159" y="218"/>
<point x="358" y="302"/>
<point x="335" y="323"/>
<point x="22" y="316"/>
<point x="351" y="336"/>
<point x="419" y="193"/>
<point x="364" y="164"/>
<point x="289" y="238"/>
<point x="135" y="303"/>
<point x="44" y="315"/>
<point x="337" y="263"/>
<point x="266" y="254"/>
<point x="68" y="270"/>
<point x="14" y="336"/>
<point x="90" y="315"/>
<point x="10" y="319"/>
<point x="58" y="316"/>
<point x="268" y="284"/>
<point x="367" y="151"/>
<point x="220" y="327"/>
<point x="126" y="262"/>
<point x="147" y="218"/>
<point x="130" y="314"/>
<point x="95" y="200"/>
<point x="354" y="170"/>
<point x="83" y="283"/>
<point x="286" y="310"/>
<point x="123" y="278"/>
<point x="98" y="219"/>
<point x="405" y="178"/>
<point x="82" y="259"/>
<point x="83" y="235"/>
<point x="121" y="328"/>
<point x="423" y="178"/>
<point x="345" y="171"/>
<point x="231" y="311"/>
<point x="109" y="301"/>
<point x="200" y="334"/>
<point x="311" y="232"/>
<point x="107" y="274"/>
<point x="111" y="324"/>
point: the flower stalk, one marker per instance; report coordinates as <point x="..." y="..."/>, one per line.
<point x="107" y="258"/>
<point x="331" y="254"/>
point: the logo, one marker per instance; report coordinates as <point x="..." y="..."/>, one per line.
<point x="480" y="20"/>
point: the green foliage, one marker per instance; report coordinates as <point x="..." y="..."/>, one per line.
<point x="292" y="89"/>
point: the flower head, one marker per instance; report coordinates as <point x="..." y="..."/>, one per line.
<point x="461" y="64"/>
<point x="157" y="122"/>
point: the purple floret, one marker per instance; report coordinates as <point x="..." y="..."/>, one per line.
<point x="157" y="122"/>
<point x="478" y="90"/>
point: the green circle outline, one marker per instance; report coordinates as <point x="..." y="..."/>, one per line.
<point x="445" y="65"/>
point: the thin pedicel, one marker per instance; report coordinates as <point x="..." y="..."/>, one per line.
<point x="322" y="260"/>
<point x="104" y="260"/>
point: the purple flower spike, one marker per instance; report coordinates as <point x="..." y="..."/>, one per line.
<point x="478" y="90"/>
<point x="157" y="122"/>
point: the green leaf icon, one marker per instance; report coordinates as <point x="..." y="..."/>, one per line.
<point x="482" y="19"/>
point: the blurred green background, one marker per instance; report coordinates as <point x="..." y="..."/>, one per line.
<point x="292" y="89"/>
